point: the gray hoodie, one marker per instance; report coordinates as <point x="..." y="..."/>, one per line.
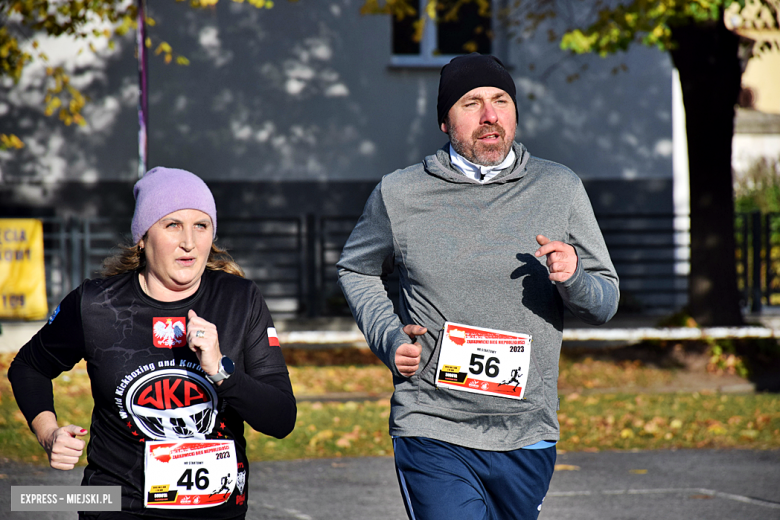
<point x="465" y="253"/>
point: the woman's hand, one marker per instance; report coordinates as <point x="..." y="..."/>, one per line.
<point x="203" y="339"/>
<point x="62" y="445"/>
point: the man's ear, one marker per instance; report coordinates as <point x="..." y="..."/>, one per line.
<point x="444" y="127"/>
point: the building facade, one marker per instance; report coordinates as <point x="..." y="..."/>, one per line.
<point x="296" y="112"/>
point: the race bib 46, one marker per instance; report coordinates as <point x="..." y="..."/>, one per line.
<point x="184" y="475"/>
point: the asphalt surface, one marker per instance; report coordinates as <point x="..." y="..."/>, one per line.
<point x="652" y="485"/>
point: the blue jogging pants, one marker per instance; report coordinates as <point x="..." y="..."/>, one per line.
<point x="442" y="481"/>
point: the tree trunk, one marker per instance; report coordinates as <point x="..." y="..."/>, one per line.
<point x="706" y="55"/>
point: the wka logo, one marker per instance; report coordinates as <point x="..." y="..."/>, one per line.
<point x="172" y="403"/>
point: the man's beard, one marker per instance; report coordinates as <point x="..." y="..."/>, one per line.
<point x="479" y="152"/>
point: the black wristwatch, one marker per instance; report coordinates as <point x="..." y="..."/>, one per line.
<point x="226" y="369"/>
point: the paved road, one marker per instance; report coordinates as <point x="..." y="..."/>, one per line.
<point x="652" y="485"/>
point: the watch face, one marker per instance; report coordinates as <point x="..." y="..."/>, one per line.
<point x="228" y="365"/>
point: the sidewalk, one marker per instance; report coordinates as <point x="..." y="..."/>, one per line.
<point x="647" y="485"/>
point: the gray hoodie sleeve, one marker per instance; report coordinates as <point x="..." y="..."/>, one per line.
<point x="592" y="292"/>
<point x="368" y="255"/>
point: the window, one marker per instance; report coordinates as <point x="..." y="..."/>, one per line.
<point x="461" y="27"/>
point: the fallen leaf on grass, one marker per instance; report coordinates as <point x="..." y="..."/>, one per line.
<point x="566" y="467"/>
<point x="347" y="439"/>
<point x="321" y="436"/>
<point x="638" y="471"/>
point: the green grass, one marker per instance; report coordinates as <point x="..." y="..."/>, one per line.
<point x="73" y="401"/>
<point x="350" y="429"/>
<point x="589" y="422"/>
<point x="666" y="421"/>
<point x="575" y="374"/>
<point x="592" y="423"/>
<point x="313" y="380"/>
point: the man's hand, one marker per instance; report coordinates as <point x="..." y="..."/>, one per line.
<point x="561" y="258"/>
<point x="407" y="357"/>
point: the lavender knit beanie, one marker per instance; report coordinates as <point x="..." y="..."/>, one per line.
<point x="165" y="190"/>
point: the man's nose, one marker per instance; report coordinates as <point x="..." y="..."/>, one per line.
<point x="489" y="114"/>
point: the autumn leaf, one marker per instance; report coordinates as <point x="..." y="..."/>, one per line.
<point x="716" y="427"/>
<point x="346" y="440"/>
<point x="10" y="141"/>
<point x="321" y="436"/>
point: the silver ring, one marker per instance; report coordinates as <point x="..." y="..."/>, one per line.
<point x="200" y="333"/>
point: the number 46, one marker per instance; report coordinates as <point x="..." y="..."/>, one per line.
<point x="201" y="479"/>
<point x="490" y="367"/>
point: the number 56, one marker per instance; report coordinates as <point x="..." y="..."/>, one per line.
<point x="490" y="367"/>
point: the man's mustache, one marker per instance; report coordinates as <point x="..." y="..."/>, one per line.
<point x="489" y="129"/>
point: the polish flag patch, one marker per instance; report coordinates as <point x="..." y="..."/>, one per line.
<point x="273" y="338"/>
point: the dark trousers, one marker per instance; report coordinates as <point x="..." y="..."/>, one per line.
<point x="442" y="481"/>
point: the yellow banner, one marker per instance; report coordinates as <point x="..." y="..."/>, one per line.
<point x="22" y="274"/>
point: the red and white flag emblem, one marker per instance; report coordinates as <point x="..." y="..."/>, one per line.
<point x="169" y="332"/>
<point x="273" y="338"/>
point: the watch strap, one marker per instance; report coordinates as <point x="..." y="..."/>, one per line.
<point x="221" y="375"/>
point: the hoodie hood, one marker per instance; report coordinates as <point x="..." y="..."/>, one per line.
<point x="439" y="165"/>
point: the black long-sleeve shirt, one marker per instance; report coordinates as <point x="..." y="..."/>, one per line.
<point x="148" y="385"/>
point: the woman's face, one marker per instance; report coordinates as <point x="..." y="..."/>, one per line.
<point x="176" y="247"/>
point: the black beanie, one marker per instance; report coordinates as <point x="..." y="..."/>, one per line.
<point x="465" y="73"/>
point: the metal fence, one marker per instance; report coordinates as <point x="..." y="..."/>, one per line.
<point x="651" y="253"/>
<point x="279" y="254"/>
<point x="758" y="259"/>
<point x="293" y="259"/>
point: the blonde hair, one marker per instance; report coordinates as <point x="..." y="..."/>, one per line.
<point x="132" y="258"/>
